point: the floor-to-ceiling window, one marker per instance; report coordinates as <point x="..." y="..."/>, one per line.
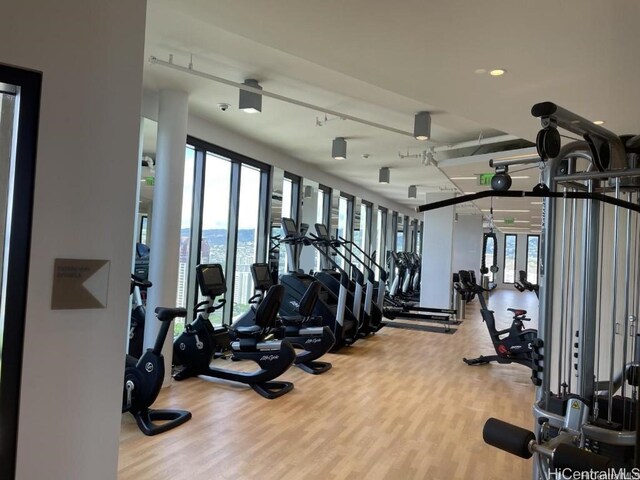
<point x="345" y="222"/>
<point x="19" y="112"/>
<point x="182" y="299"/>
<point x="399" y="243"/>
<point x="248" y="225"/>
<point x="224" y="214"/>
<point x="381" y="239"/>
<point x="290" y="209"/>
<point x="215" y="216"/>
<point x="510" y="249"/>
<point x="323" y="213"/>
<point x="364" y="233"/>
<point x="490" y="254"/>
<point x="533" y="256"/>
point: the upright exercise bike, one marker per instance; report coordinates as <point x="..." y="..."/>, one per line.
<point x="195" y="347"/>
<point x="143" y="380"/>
<point x="512" y="345"/>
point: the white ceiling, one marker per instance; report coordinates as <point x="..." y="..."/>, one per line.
<point x="384" y="61"/>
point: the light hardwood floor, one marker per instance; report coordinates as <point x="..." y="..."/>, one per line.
<point x="399" y="405"/>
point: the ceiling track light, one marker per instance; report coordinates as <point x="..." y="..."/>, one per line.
<point x="384" y="175"/>
<point x="413" y="191"/>
<point x="339" y="148"/>
<point x="250" y="102"/>
<point x="422" y="126"/>
<point x="242" y="86"/>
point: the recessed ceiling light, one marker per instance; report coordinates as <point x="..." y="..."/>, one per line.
<point x="497" y="72"/>
<point x="469" y="193"/>
<point x="598" y="122"/>
<point x="521" y="221"/>
<point x="462" y="178"/>
<point x="536" y="203"/>
<point x="480" y="71"/>
<point x="520" y="177"/>
<point x="535" y="225"/>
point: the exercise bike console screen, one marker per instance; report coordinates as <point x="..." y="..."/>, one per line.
<point x="289" y="227"/>
<point x="261" y="276"/>
<point x="211" y="279"/>
<point x="322" y="231"/>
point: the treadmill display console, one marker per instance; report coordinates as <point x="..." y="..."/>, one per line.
<point x="322" y="231"/>
<point x="211" y="279"/>
<point x="261" y="276"/>
<point x="289" y="227"/>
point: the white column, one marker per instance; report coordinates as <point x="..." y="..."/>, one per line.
<point x="437" y="254"/>
<point x="467" y="243"/>
<point x="167" y="212"/>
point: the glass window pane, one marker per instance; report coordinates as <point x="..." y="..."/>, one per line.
<point x="7" y="164"/>
<point x="533" y="242"/>
<point x="488" y="256"/>
<point x="342" y="223"/>
<point x="185" y="235"/>
<point x="249" y="209"/>
<point x="215" y="216"/>
<point x="319" y="219"/>
<point x="510" y="246"/>
<point x="287" y="191"/>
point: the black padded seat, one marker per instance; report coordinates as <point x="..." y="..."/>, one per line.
<point x="517" y="312"/>
<point x="248" y="332"/>
<point x="293" y="320"/>
<point x="168" y="314"/>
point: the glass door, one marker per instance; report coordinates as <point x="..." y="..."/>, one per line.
<point x="19" y="110"/>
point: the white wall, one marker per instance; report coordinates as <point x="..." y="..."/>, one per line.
<point x="437" y="254"/>
<point x="91" y="54"/>
<point x="223" y="137"/>
<point x="467" y="243"/>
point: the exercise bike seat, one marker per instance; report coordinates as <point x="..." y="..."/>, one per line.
<point x="293" y="320"/>
<point x="167" y="314"/>
<point x="250" y="331"/>
<point x="517" y="312"/>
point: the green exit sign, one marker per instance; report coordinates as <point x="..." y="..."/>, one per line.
<point x="485" y="178"/>
<point x="151" y="181"/>
<point x="509" y="220"/>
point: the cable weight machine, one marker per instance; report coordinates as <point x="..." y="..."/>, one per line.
<point x="587" y="358"/>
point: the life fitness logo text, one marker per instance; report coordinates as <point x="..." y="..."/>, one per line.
<point x="269" y="358"/>
<point x="313" y="340"/>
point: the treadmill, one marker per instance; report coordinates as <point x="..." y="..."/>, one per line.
<point x="331" y="304"/>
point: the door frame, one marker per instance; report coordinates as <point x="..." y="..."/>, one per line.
<point x="18" y="232"/>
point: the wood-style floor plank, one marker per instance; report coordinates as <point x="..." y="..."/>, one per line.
<point x="399" y="405"/>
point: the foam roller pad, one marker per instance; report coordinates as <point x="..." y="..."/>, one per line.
<point x="507" y="437"/>
<point x="577" y="460"/>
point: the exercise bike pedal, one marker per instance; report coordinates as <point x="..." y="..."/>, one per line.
<point x="476" y="361"/>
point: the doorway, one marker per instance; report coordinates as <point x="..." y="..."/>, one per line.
<point x="19" y="114"/>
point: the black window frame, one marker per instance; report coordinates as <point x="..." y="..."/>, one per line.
<point x="19" y="234"/>
<point x="201" y="148"/>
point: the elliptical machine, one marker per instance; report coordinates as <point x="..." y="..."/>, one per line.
<point x="512" y="345"/>
<point x="304" y="331"/>
<point x="143" y="380"/>
<point x="195" y="347"/>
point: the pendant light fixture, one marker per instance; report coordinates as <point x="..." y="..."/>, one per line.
<point x="250" y="102"/>
<point x="422" y="126"/>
